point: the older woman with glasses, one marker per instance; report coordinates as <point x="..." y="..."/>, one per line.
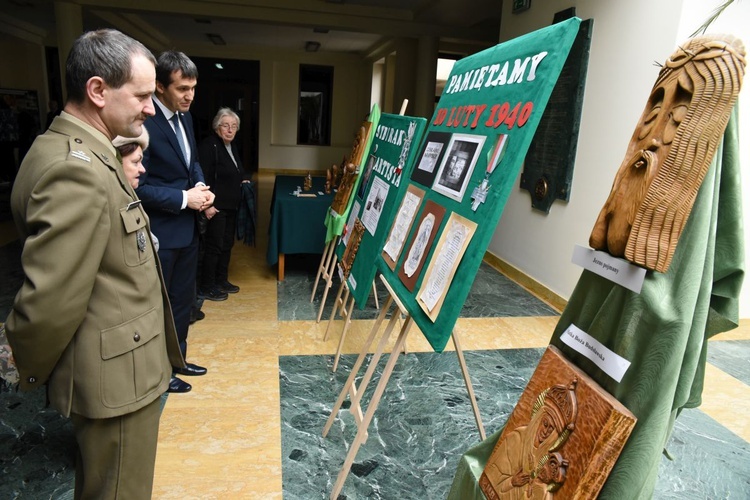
<point x="223" y="171"/>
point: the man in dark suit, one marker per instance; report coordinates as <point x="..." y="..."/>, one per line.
<point x="91" y="319"/>
<point x="173" y="191"/>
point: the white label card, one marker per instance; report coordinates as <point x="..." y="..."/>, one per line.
<point x="613" y="365"/>
<point x="615" y="270"/>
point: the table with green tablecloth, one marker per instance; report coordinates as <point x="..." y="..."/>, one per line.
<point x="297" y="222"/>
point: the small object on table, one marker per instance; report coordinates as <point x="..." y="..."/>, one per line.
<point x="328" y="181"/>
<point x="308" y="182"/>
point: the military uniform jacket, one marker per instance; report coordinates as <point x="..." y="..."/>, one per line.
<point x="92" y="318"/>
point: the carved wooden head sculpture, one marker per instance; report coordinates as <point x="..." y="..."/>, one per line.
<point x="671" y="151"/>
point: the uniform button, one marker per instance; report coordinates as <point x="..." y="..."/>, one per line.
<point x="136" y="337"/>
<point x="32" y="380"/>
<point x="78" y="141"/>
<point x="137" y="220"/>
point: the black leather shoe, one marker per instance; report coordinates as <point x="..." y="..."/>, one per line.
<point x="191" y="370"/>
<point x="215" y="294"/>
<point x="196" y="316"/>
<point x="177" y="385"/>
<point x="228" y="287"/>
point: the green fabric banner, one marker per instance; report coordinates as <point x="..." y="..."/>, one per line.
<point x="663" y="331"/>
<point x="468" y="162"/>
<point x="335" y="222"/>
<point x="382" y="182"/>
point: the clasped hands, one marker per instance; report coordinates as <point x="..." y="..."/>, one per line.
<point x="200" y="198"/>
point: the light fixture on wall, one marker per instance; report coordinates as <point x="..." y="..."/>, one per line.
<point x="216" y="39"/>
<point x="312" y="46"/>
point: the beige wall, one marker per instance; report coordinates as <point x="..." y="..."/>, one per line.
<point x="627" y="38"/>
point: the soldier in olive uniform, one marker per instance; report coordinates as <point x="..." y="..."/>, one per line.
<point x="92" y="319"/>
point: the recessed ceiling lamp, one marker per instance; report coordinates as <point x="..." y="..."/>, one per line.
<point x="319" y="29"/>
<point x="216" y="39"/>
<point x="219" y="66"/>
<point x="312" y="46"/>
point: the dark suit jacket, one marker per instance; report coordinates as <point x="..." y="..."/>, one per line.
<point x="92" y="318"/>
<point x="221" y="173"/>
<point x="167" y="176"/>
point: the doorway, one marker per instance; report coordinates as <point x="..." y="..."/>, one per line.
<point x="234" y="84"/>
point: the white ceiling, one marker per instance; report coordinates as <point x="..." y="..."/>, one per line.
<point x="354" y="26"/>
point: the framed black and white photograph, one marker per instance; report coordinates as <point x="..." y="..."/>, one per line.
<point x="458" y="165"/>
<point x="433" y="150"/>
<point x="366" y="175"/>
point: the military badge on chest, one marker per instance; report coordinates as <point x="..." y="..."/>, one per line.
<point x="141" y="240"/>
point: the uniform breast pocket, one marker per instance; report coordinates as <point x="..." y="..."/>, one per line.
<point x="134" y="359"/>
<point x="136" y="244"/>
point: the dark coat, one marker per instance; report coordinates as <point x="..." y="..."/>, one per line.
<point x="167" y="176"/>
<point x="220" y="171"/>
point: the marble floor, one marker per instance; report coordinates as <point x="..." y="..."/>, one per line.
<point x="251" y="428"/>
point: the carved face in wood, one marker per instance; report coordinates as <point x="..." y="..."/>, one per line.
<point x="670" y="152"/>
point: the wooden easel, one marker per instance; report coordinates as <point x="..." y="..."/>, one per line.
<point x="355" y="392"/>
<point x="344" y="309"/>
<point x="325" y="270"/>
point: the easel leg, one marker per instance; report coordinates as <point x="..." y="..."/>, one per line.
<point x="330" y="268"/>
<point x="356" y="367"/>
<point x="362" y="429"/>
<point x="281" y="267"/>
<point x="347" y="324"/>
<point x="321" y="267"/>
<point x="469" y="387"/>
<point x="335" y="308"/>
<point x="374" y="360"/>
<point x="375" y="295"/>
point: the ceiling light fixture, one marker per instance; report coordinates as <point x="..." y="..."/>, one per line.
<point x="219" y="66"/>
<point x="319" y="29"/>
<point x="216" y="39"/>
<point x="312" y="46"/>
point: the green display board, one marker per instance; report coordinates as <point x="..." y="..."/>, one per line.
<point x="464" y="171"/>
<point x="335" y="222"/>
<point x="388" y="164"/>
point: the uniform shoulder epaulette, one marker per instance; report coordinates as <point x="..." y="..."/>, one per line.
<point x="76" y="151"/>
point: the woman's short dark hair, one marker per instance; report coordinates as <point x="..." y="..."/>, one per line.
<point x="127" y="149"/>
<point x="106" y="53"/>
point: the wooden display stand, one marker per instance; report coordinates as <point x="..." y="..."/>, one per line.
<point x="355" y="392"/>
<point x="326" y="267"/>
<point x="325" y="270"/>
<point x="343" y="306"/>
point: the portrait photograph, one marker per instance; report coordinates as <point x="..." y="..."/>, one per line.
<point x="458" y="165"/>
<point x="433" y="150"/>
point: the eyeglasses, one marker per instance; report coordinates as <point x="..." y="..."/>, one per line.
<point x="227" y="126"/>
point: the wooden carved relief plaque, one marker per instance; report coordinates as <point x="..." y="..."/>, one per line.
<point x="561" y="440"/>
<point x="348" y="178"/>
<point x="352" y="246"/>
